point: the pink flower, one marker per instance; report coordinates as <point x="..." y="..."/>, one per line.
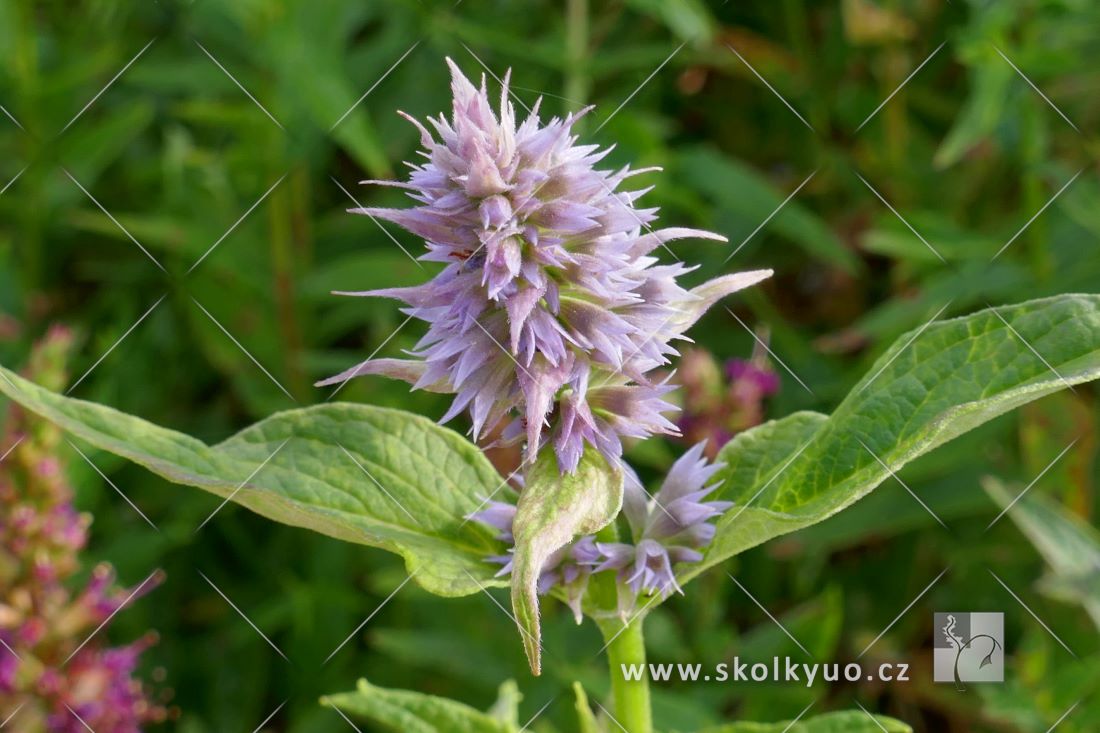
<point x="41" y="622"/>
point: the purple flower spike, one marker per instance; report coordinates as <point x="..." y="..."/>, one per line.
<point x="53" y="673"/>
<point x="680" y="505"/>
<point x="670" y="528"/>
<point x="550" y="313"/>
<point x="764" y="381"/>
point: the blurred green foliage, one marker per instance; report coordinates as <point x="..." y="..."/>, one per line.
<point x="237" y="135"/>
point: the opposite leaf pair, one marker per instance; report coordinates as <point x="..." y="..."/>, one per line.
<point x="398" y="481"/>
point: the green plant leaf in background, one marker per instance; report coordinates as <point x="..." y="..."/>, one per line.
<point x="552" y="510"/>
<point x="369" y="475"/>
<point x="740" y="190"/>
<point x="412" y="712"/>
<point x="846" y="722"/>
<point x="586" y="720"/>
<point x="1069" y="545"/>
<point x="928" y="388"/>
<point x="690" y="20"/>
<point x="506" y="707"/>
<point x="983" y="109"/>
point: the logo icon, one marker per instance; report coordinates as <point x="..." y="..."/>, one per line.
<point x="969" y="647"/>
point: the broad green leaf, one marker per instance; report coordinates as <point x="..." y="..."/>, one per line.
<point x="403" y="711"/>
<point x="750" y="458"/>
<point x="846" y="722"/>
<point x="930" y="387"/>
<point x="1069" y="545"/>
<point x="892" y="512"/>
<point x="586" y="721"/>
<point x="552" y="510"/>
<point x="369" y="475"/>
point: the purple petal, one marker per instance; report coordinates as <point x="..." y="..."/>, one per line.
<point x="711" y="292"/>
<point x="403" y="369"/>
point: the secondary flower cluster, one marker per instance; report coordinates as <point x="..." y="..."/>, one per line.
<point x="551" y="313"/>
<point x="670" y="527"/>
<point x="51" y="679"/>
<point x="721" y="401"/>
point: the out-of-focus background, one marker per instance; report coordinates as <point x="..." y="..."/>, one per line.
<point x="174" y="183"/>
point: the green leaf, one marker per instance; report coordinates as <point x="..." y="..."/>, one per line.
<point x="403" y="711"/>
<point x="94" y="146"/>
<point x="690" y="20"/>
<point x="552" y="510"/>
<point x="506" y="707"/>
<point x="846" y="722"/>
<point x="982" y="111"/>
<point x="750" y="458"/>
<point x="929" y="387"/>
<point x="741" y="191"/>
<point x="1068" y="544"/>
<point x="586" y="721"/>
<point x="369" y="475"/>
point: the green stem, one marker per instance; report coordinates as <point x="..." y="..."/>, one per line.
<point x="1034" y="149"/>
<point x="576" y="53"/>
<point x="283" y="257"/>
<point x="626" y="646"/>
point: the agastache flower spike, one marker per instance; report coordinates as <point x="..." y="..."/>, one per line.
<point x="54" y="676"/>
<point x="669" y="528"/>
<point x="551" y="311"/>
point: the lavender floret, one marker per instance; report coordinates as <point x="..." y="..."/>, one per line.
<point x="669" y="528"/>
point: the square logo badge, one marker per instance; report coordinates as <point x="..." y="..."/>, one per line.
<point x="969" y="647"/>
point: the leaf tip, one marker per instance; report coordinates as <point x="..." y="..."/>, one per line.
<point x="525" y="604"/>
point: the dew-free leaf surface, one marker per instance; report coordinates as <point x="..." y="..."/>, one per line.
<point x="925" y="390"/>
<point x="403" y="711"/>
<point x="362" y="474"/>
<point x="855" y="721"/>
<point x="554" y="509"/>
